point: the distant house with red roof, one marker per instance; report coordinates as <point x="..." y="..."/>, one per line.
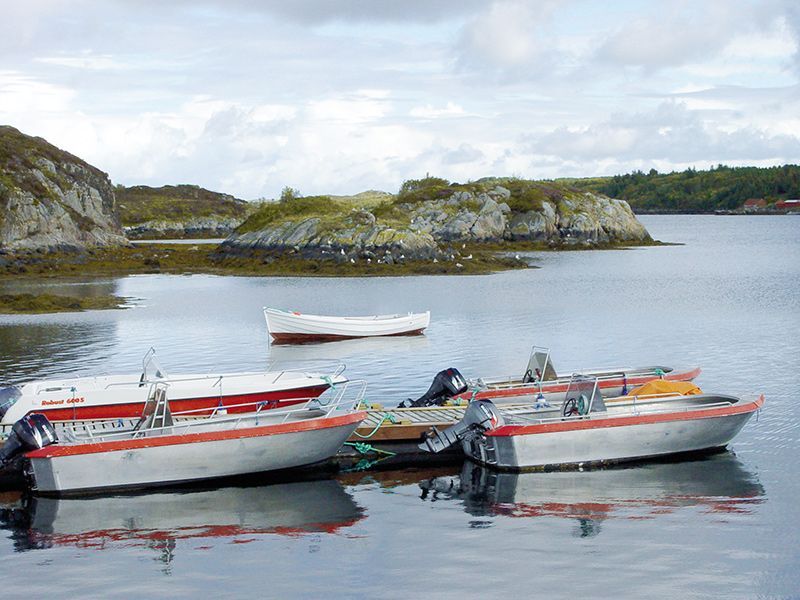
<point x="754" y="204"/>
<point x="791" y="204"/>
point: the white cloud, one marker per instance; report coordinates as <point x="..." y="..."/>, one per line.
<point x="656" y="135"/>
<point x="512" y="37"/>
<point x="451" y="109"/>
<point x="249" y="96"/>
<point x="22" y="94"/>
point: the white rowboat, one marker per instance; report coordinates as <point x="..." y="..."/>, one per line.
<point x="291" y="326"/>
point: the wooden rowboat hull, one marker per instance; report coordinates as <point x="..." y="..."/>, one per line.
<point x="285" y="326"/>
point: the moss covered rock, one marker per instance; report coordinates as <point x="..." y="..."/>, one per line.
<point x="52" y="200"/>
<point x="428" y="216"/>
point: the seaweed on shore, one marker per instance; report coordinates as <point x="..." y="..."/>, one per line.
<point x="52" y="303"/>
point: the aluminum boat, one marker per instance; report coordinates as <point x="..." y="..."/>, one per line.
<point x="162" y="451"/>
<point x="584" y="430"/>
<point x="541" y="378"/>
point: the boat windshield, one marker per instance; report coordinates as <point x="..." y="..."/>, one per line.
<point x="8" y="397"/>
<point x="151" y="369"/>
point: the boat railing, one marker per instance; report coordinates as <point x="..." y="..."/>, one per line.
<point x="346" y="397"/>
<point x="510" y="381"/>
<point x="637" y="410"/>
<point x="217" y="380"/>
<point x="330" y="367"/>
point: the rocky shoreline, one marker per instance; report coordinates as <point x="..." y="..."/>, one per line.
<point x="439" y="229"/>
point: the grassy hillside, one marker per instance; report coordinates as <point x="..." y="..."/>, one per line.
<point x="388" y="208"/>
<point x="175" y="203"/>
<point x="19" y="158"/>
<point x="720" y="188"/>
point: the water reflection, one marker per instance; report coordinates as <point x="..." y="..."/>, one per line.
<point x="718" y="485"/>
<point x="342" y="349"/>
<point x="43" y="349"/>
<point x="158" y="521"/>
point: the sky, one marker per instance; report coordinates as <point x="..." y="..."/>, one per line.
<point x="249" y="96"/>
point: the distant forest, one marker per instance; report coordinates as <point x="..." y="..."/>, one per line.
<point x="691" y="191"/>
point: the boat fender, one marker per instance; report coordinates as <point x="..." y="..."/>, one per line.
<point x="31" y="432"/>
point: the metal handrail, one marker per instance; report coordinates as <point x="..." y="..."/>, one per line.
<point x="184" y="427"/>
<point x="610" y="415"/>
<point x="333" y="366"/>
<point x="506" y="381"/>
<point x="218" y="378"/>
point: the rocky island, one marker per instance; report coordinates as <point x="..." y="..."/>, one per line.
<point x="433" y="219"/>
<point x="61" y="216"/>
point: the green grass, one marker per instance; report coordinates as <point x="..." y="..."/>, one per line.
<point x="182" y="259"/>
<point x="296" y="209"/>
<point x="52" y="303"/>
<point x="19" y="155"/>
<point x="176" y="203"/>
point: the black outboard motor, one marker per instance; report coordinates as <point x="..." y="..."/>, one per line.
<point x="446" y="384"/>
<point x="31" y="432"/>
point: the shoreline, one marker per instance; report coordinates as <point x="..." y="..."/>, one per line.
<point x="42" y="304"/>
<point x="164" y="257"/>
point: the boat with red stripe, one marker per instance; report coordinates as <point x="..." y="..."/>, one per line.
<point x="123" y="396"/>
<point x="160" y="451"/>
<point x="540" y="379"/>
<point x="586" y="430"/>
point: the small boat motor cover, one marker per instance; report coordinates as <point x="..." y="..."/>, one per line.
<point x="480" y="416"/>
<point x="8" y="398"/>
<point x="662" y="386"/>
<point x="31" y="432"/>
<point x="446" y="384"/>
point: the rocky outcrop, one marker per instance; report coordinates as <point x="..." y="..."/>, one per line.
<point x="179" y="211"/>
<point x="586" y="219"/>
<point x="52" y="200"/>
<point x="431" y="229"/>
<point x="199" y="227"/>
<point x="359" y="236"/>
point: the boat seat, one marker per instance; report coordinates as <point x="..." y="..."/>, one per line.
<point x="156" y="413"/>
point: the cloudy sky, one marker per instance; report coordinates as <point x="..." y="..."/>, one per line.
<point x="248" y="96"/>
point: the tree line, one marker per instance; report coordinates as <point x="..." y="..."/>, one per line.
<point x="692" y="191"/>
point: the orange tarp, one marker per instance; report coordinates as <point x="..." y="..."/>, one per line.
<point x="662" y="386"/>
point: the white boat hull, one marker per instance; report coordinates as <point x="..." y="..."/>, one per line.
<point x="183" y="458"/>
<point x="609" y="438"/>
<point x="123" y="396"/>
<point x="287" y="326"/>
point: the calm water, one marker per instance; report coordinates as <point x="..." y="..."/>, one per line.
<point x="725" y="526"/>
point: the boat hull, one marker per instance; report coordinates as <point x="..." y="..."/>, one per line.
<point x="169" y="460"/>
<point x="123" y="396"/>
<point x="555" y="391"/>
<point x="608" y="440"/>
<point x="287" y="327"/>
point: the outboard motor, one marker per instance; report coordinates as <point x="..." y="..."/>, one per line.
<point x="31" y="432"/>
<point x="446" y="384"/>
<point x="480" y="416"/>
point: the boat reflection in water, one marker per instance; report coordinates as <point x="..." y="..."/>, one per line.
<point x="717" y="485"/>
<point x="159" y="520"/>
